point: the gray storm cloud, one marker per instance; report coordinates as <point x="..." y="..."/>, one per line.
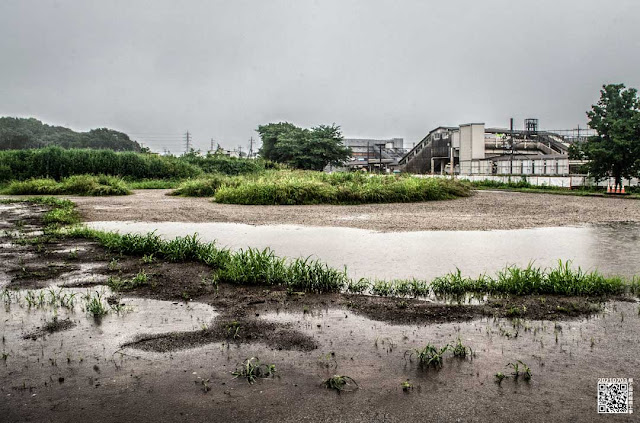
<point x="378" y="68"/>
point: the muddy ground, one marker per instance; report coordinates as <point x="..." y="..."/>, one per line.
<point x="484" y="210"/>
<point x="166" y="351"/>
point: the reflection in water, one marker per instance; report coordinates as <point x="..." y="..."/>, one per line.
<point x="611" y="248"/>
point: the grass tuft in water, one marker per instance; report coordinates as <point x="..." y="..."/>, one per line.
<point x="251" y="369"/>
<point x="430" y="355"/>
<point x="340" y="383"/>
<point x="95" y="306"/>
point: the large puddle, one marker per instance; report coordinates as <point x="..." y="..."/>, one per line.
<point x="36" y="324"/>
<point x="610" y="248"/>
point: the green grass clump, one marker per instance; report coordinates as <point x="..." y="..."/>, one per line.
<point x="244" y="267"/>
<point x="560" y="280"/>
<point x="62" y="212"/>
<point x="219" y="163"/>
<point x="73" y="185"/>
<point x="251" y="369"/>
<point x="306" y="187"/>
<point x="460" y="350"/>
<point x="358" y="286"/>
<point x="203" y="187"/>
<point x="298" y="188"/>
<point x="340" y="383"/>
<point x="430" y="355"/>
<point x="153" y="184"/>
<point x="95" y="306"/>
<point x="497" y="184"/>
<point x="520" y="369"/>
<point x="122" y="284"/>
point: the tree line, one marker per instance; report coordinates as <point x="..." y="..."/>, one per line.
<point x="26" y="133"/>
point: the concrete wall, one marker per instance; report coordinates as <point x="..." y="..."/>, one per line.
<point x="552" y="181"/>
<point x="533" y="166"/>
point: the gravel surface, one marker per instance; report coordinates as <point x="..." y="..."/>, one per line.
<point x="483" y="211"/>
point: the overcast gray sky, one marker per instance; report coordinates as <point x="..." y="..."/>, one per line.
<point x="377" y="68"/>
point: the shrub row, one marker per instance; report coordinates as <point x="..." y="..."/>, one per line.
<point x="73" y="185"/>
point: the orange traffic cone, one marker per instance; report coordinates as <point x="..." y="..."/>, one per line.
<point x="608" y="188"/>
<point x="622" y="192"/>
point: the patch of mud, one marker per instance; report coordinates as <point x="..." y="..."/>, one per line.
<point x="545" y="307"/>
<point x="52" y="326"/>
<point x="275" y="335"/>
<point x="33" y="275"/>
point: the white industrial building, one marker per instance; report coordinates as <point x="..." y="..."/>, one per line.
<point x="476" y="150"/>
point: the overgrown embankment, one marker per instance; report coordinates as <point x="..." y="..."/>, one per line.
<point x="303" y="188"/>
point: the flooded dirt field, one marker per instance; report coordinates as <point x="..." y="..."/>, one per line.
<point x="611" y="248"/>
<point x="166" y="351"/>
<point x="482" y="211"/>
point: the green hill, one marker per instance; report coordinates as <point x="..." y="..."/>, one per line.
<point x="21" y="133"/>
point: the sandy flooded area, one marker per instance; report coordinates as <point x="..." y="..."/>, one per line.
<point x="485" y="210"/>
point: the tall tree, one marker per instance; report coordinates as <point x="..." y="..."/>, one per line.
<point x="303" y="148"/>
<point x="615" y="151"/>
<point x="269" y="135"/>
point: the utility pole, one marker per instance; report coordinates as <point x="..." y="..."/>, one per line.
<point x="452" y="159"/>
<point x="240" y="151"/>
<point x="187" y="142"/>
<point x="511" y="161"/>
<point x="368" y="164"/>
<point x="250" y="147"/>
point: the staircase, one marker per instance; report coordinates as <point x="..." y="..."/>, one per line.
<point x="418" y="159"/>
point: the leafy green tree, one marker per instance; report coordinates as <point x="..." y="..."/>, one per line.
<point x="303" y="148"/>
<point x="269" y="135"/>
<point x="615" y="151"/>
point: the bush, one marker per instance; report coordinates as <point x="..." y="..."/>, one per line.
<point x="73" y="185"/>
<point x="202" y="187"/>
<point x="293" y="188"/>
<point x="57" y="163"/>
<point x="218" y="163"/>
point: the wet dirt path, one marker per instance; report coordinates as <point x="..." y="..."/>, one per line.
<point x="484" y="210"/>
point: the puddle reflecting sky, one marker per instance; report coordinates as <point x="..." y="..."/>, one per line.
<point x="611" y="248"/>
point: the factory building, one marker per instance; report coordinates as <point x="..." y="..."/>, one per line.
<point x="474" y="149"/>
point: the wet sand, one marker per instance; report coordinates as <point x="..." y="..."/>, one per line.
<point x="485" y="210"/>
